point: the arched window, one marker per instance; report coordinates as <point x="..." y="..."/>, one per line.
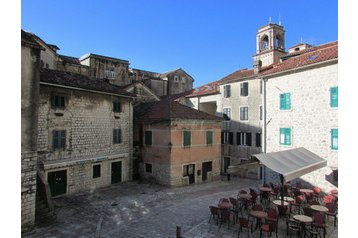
<point x="278" y="41"/>
<point x="264" y="43"/>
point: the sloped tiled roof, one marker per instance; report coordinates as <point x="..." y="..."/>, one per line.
<point x="313" y="55"/>
<point x="207" y="89"/>
<point x="69" y="79"/>
<point x="167" y="109"/>
<point x="69" y="59"/>
<point x="28" y="39"/>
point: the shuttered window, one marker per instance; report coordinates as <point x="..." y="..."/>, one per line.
<point x="117" y="106"/>
<point x="59" y="139"/>
<point x="258" y="139"/>
<point x="334" y="139"/>
<point x="243" y="138"/>
<point x="187" y="138"/>
<point x="209" y="138"/>
<point x="227" y="91"/>
<point x="334" y="97"/>
<point x="58" y="101"/>
<point x="117" y="136"/>
<point x="285" y="101"/>
<point x="285" y="136"/>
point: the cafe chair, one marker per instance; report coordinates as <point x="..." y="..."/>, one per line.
<point x="332" y="211"/>
<point x="272" y="215"/>
<point x="307" y="211"/>
<point x="226" y="216"/>
<point x="296" y="204"/>
<point x="214" y="213"/>
<point x="319" y="222"/>
<point x="292" y="226"/>
<point x="269" y="227"/>
<point x="246" y="224"/>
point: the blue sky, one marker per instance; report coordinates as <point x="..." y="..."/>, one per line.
<point x="208" y="39"/>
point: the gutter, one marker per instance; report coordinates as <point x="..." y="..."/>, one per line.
<point x="86" y="90"/>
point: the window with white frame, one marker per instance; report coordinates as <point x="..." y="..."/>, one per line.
<point x="227" y="113"/>
<point x="243" y="138"/>
<point x="244" y="113"/>
<point x="244" y="89"/>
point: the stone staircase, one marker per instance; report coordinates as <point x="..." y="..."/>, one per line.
<point x="44" y="213"/>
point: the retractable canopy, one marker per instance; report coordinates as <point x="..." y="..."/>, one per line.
<point x="290" y="164"/>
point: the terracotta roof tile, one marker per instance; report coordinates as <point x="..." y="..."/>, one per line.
<point x="70" y="79"/>
<point x="207" y="89"/>
<point x="312" y="55"/>
<point x="168" y="109"/>
<point x="69" y="59"/>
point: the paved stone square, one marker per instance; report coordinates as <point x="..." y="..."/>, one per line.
<point x="134" y="209"/>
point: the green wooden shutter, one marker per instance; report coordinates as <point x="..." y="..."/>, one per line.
<point x="334" y="97"/>
<point x="334" y="139"/>
<point x="285" y="101"/>
<point x="187" y="139"/>
<point x="209" y="137"/>
<point x="285" y="136"/>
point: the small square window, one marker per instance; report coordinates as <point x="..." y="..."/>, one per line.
<point x="148" y="168"/>
<point x="96" y="171"/>
<point x="58" y="101"/>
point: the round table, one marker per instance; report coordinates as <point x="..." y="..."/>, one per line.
<point x="305" y="190"/>
<point x="279" y="203"/>
<point x="303" y="220"/>
<point x="265" y="189"/>
<point x="259" y="215"/>
<point x="319" y="208"/>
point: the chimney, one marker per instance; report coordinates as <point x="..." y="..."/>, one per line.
<point x="257" y="66"/>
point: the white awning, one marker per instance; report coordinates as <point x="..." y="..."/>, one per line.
<point x="291" y="163"/>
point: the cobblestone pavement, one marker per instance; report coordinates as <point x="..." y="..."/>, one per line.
<point x="147" y="210"/>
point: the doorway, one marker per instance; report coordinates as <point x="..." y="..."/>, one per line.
<point x="57" y="181"/>
<point x="116" y="172"/>
<point x="189" y="170"/>
<point x="226" y="163"/>
<point x="207" y="167"/>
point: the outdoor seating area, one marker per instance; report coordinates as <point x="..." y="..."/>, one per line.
<point x="262" y="211"/>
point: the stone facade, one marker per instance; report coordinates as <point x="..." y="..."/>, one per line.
<point x="88" y="120"/>
<point x="30" y="78"/>
<point x="104" y="67"/>
<point x="310" y="118"/>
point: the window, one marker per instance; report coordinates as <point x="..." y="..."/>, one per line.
<point x="243" y="138"/>
<point x="59" y="139"/>
<point x="96" y="171"/>
<point x="227" y="91"/>
<point x="117" y="106"/>
<point x="285" y="136"/>
<point x="227" y="113"/>
<point x="186" y="138"/>
<point x="285" y="101"/>
<point x="261" y="113"/>
<point x="244" y="89"/>
<point x="258" y="139"/>
<point x="58" y="101"/>
<point x="334" y="139"/>
<point x="148" y="138"/>
<point x="117" y="136"/>
<point x="176" y="78"/>
<point x="244" y="113"/>
<point x="188" y="170"/>
<point x="227" y="138"/>
<point x="209" y="138"/>
<point x="148" y="168"/>
<point x="110" y="74"/>
<point x="334" y="97"/>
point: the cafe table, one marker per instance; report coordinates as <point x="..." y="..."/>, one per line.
<point x="259" y="215"/>
<point x="303" y="220"/>
<point x="319" y="208"/>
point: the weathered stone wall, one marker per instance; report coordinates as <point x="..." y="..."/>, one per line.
<point x="311" y="118"/>
<point x="254" y="125"/>
<point x="30" y="77"/>
<point x="79" y="69"/>
<point x="89" y="120"/>
<point x="179" y="82"/>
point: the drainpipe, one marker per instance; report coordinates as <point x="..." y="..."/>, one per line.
<point x="264" y="126"/>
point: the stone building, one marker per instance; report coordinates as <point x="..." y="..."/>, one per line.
<point x="178" y="145"/>
<point x="104" y="67"/>
<point x="30" y="80"/>
<point x="302" y="108"/>
<point x="84" y="132"/>
<point x="300" y="91"/>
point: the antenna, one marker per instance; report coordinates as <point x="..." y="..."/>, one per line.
<point x="279" y="19"/>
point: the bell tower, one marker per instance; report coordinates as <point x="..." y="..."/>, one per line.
<point x="270" y="45"/>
